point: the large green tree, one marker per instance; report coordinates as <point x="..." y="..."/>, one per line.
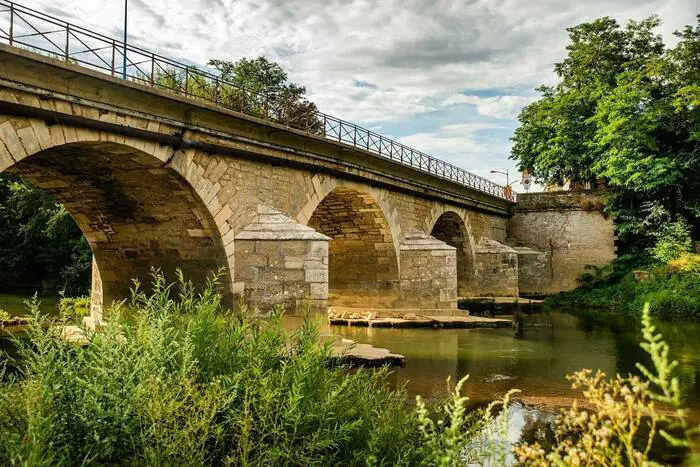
<point x="625" y="112"/>
<point x="285" y="102"/>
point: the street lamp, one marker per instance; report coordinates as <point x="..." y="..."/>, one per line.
<point x="504" y="173"/>
<point x="126" y="8"/>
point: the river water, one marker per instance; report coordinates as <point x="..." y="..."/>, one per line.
<point x="552" y="345"/>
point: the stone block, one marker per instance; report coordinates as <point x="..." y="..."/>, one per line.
<point x="316" y="275"/>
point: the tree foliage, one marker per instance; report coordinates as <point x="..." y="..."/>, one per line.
<point x="625" y="112"/>
<point x="41" y="247"/>
<point x="256" y="87"/>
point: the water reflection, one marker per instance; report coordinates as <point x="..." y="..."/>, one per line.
<point x="550" y="346"/>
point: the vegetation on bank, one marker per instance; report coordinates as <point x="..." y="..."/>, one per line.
<point x="672" y="288"/>
<point x="176" y="379"/>
<point x="179" y="380"/>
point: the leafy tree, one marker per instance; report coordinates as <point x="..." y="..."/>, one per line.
<point x="256" y="87"/>
<point x="41" y="247"/>
<point x="286" y="101"/>
<point x="626" y="112"/>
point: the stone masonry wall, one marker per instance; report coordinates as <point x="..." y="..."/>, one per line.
<point x="428" y="272"/>
<point x="570" y="229"/>
<point x="143" y="203"/>
<point x="496" y="270"/>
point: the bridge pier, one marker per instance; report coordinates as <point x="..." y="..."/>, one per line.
<point x="428" y="272"/>
<point x="281" y="262"/>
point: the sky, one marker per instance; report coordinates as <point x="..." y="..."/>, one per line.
<point x="445" y="77"/>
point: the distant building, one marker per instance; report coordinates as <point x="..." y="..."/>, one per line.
<point x="576" y="186"/>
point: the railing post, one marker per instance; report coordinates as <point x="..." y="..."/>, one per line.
<point x="114" y="53"/>
<point x="153" y="69"/>
<point x="216" y="90"/>
<point x="187" y="79"/>
<point x="12" y="22"/>
<point x="67" y="51"/>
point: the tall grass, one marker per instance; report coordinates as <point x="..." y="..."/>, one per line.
<point x="176" y="379"/>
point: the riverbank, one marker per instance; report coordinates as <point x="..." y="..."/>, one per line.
<point x="179" y="361"/>
<point x="672" y="290"/>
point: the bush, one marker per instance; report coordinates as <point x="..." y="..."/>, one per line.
<point x="178" y="380"/>
<point x="74" y="309"/>
<point x="673" y="291"/>
<point x="672" y="241"/>
<point x="686" y="262"/>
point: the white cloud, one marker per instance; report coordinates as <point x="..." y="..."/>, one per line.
<point x="503" y="107"/>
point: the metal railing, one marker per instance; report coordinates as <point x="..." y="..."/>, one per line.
<point x="30" y="29"/>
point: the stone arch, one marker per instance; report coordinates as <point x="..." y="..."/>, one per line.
<point x="363" y="264"/>
<point x="451" y="228"/>
<point x="134" y="209"/>
<point x="322" y="186"/>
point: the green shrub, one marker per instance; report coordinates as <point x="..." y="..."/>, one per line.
<point x="179" y="380"/>
<point x="673" y="291"/>
<point x="672" y="240"/>
<point x="74" y="309"/>
<point x="685" y="263"/>
<point x="4" y="316"/>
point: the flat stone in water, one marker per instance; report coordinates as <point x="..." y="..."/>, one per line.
<point x="437" y="322"/>
<point x="347" y="351"/>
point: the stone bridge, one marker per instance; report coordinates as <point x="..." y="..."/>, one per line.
<point x="154" y="179"/>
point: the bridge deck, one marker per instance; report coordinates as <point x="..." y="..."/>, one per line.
<point x="49" y="78"/>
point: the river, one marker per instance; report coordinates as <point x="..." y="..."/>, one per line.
<point x="552" y="345"/>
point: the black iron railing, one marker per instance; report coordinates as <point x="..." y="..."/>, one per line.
<point x="30" y="29"/>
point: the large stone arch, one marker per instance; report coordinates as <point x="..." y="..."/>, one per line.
<point x="321" y="186"/>
<point x="363" y="261"/>
<point x="134" y="208"/>
<point x="453" y="228"/>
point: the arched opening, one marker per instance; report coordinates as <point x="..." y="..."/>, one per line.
<point x="362" y="267"/>
<point x="450" y="228"/>
<point x="135" y="213"/>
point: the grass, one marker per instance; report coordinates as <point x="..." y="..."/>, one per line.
<point x="180" y="380"/>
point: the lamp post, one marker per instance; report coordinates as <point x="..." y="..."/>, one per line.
<point x="504" y="173"/>
<point x="126" y="9"/>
